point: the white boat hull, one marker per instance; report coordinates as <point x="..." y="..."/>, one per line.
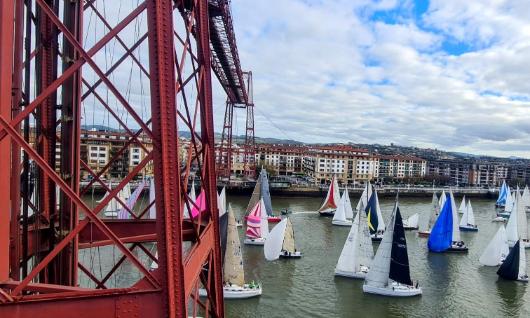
<point x="499" y="219"/>
<point x="256" y="241"/>
<point x="355" y="275"/>
<point x="342" y="223"/>
<point x="394" y="290"/>
<point x="236" y="292"/>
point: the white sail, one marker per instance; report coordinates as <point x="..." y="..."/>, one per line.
<point x="456" y="228"/>
<point x="221" y="202"/>
<point x="496" y="250"/>
<point x="348" y="257"/>
<point x="366" y="249"/>
<point x="192" y="199"/>
<point x="288" y="239"/>
<point x="365" y="196"/>
<point x="264" y="224"/>
<point x="340" y="213"/>
<point x="413" y="220"/>
<point x="468" y="218"/>
<point x="526" y="198"/>
<point x="152" y="209"/>
<point x="347" y="204"/>
<point x="380" y="269"/>
<point x="233" y="271"/>
<point x="273" y="244"/>
<point x="443" y="197"/>
<point x="462" y="207"/>
<point x="511" y="227"/>
<point x="380" y="221"/>
<point x="522" y="260"/>
<point x="508" y="207"/>
<point x="125" y="192"/>
<point x="522" y="222"/>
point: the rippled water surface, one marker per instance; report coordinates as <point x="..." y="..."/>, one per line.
<point x="454" y="285"/>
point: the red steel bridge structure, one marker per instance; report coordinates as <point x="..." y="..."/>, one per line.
<point x="54" y="65"/>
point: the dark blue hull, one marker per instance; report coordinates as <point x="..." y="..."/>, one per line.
<point x="468" y="229"/>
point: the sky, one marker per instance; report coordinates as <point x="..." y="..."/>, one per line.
<point x="447" y="74"/>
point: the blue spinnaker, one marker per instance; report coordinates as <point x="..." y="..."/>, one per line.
<point x="442" y="231"/>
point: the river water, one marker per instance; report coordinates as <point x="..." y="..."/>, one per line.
<point x="454" y="285"/>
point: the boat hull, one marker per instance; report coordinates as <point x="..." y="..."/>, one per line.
<point x="236" y="292"/>
<point x="468" y="228"/>
<point x="410" y="228"/>
<point x="354" y="275"/>
<point x="256" y="241"/>
<point x="296" y="254"/>
<point x="376" y="238"/>
<point x="393" y="291"/>
<point x="274" y="219"/>
<point x="327" y="212"/>
<point x="342" y="223"/>
<point x="424" y="234"/>
<point x="113" y="214"/>
<point x="458" y="249"/>
<point x="504" y="214"/>
<point x="499" y="219"/>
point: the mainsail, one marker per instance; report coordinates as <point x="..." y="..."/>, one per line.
<point x="380" y="269"/>
<point x="288" y="240"/>
<point x="347" y="204"/>
<point x="256" y="196"/>
<point x="265" y="191"/>
<point x="510" y="267"/>
<point x="221" y="201"/>
<point x="443" y="197"/>
<point x="380" y="221"/>
<point x="468" y="218"/>
<point x="365" y="196"/>
<point x="399" y="259"/>
<point x="233" y="260"/>
<point x="365" y="247"/>
<point x="340" y="213"/>
<point x="348" y="257"/>
<point x="456" y="228"/>
<point x="522" y="222"/>
<point x="371" y="215"/>
<point x="462" y="207"/>
<point x="223" y="233"/>
<point x="413" y="220"/>
<point x="496" y="250"/>
<point x="508" y="207"/>
<point x="511" y="227"/>
<point x="442" y="231"/>
<point x="526" y="198"/>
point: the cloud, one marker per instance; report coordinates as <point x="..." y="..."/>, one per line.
<point x="385" y="71"/>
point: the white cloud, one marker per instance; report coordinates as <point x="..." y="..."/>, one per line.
<point x="325" y="72"/>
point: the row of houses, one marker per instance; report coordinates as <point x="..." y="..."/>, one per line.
<point x="351" y="165"/>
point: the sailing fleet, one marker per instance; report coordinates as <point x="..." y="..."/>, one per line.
<point x="385" y="269"/>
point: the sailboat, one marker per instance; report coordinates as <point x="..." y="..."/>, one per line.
<point x="445" y="234"/>
<point x="365" y="196"/>
<point x="221" y="201"/>
<point x="443" y="197"/>
<point x="357" y="252"/>
<point x="467" y="222"/>
<point x="280" y="242"/>
<point x="501" y="200"/>
<point x="234" y="286"/>
<point x="497" y="249"/>
<point x="411" y="223"/>
<point x="389" y="273"/>
<point x="514" y="266"/>
<point x="125" y="192"/>
<point x="509" y="204"/>
<point x="522" y="222"/>
<point x="462" y="207"/>
<point x="257" y="225"/>
<point x="526" y="199"/>
<point x="428" y="221"/>
<point x="329" y="206"/>
<point x="512" y="233"/>
<point x="374" y="217"/>
<point x="262" y="192"/>
<point x="111" y="210"/>
<point x="344" y="211"/>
